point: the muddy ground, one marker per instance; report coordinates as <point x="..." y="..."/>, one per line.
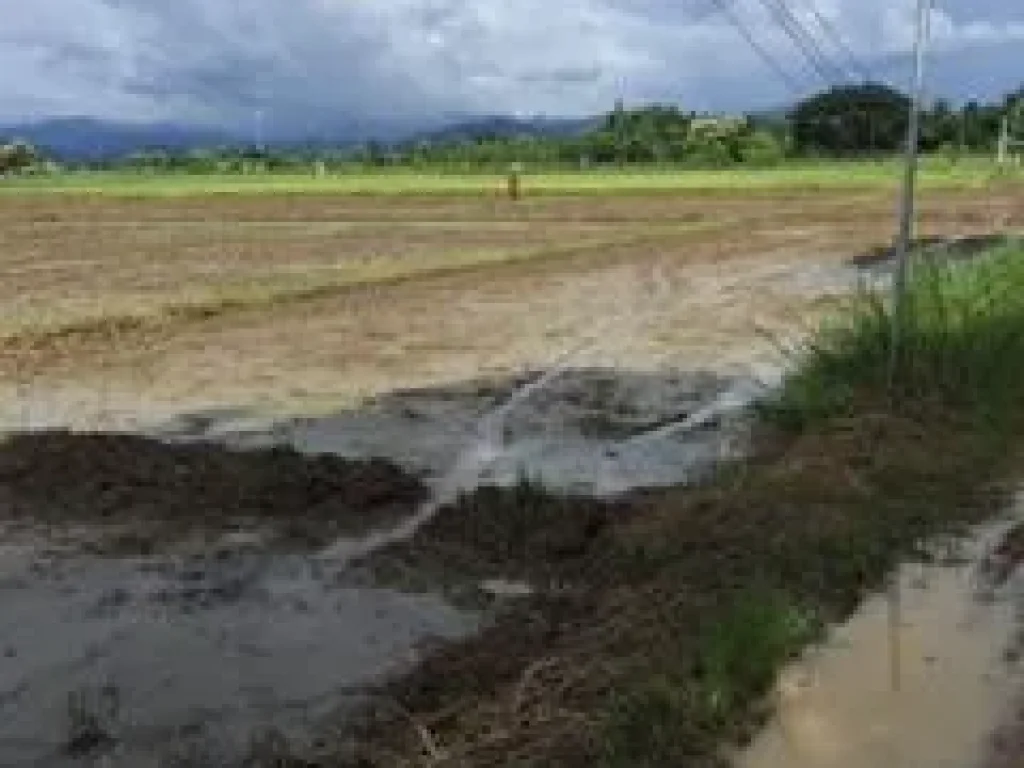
<point x="299" y="407"/>
<point x="218" y="547"/>
<point x="685" y="282"/>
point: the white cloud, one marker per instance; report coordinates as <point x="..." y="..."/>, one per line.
<point x="317" y="60"/>
<point x="949" y="30"/>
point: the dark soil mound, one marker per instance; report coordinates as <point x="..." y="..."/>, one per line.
<point x="63" y="477"/>
<point x="934" y="249"/>
<point x="524" y="533"/>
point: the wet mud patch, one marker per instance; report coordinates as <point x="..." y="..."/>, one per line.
<point x="1007" y="744"/>
<point x="147" y="495"/>
<point x="204" y="531"/>
<point x="174" y="661"/>
<point x="934" y="249"/>
<point x="588" y="431"/>
<point x="631" y="641"/>
<point x="498" y="544"/>
<point x="1005" y="559"/>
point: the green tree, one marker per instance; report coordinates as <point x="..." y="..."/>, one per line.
<point x="940" y="127"/>
<point x="761" y="148"/>
<point x="17" y="157"/>
<point x="848" y="120"/>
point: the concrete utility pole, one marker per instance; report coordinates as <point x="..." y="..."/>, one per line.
<point x="620" y="132"/>
<point x="908" y="199"/>
<point x="1009" y="145"/>
<point x="903" y="245"/>
<point x="963" y="132"/>
<point x="1003" y="151"/>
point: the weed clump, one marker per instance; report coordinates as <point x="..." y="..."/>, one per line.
<point x="958" y="342"/>
<point x="672" y="714"/>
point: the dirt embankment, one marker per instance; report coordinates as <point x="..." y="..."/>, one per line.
<point x="617" y="649"/>
<point x="150" y="494"/>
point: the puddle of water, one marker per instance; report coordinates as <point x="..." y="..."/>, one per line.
<point x="212" y="649"/>
<point x="837" y="707"/>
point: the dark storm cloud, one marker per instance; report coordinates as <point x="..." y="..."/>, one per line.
<point x="309" y="60"/>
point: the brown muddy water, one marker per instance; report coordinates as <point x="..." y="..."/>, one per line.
<point x="929" y="695"/>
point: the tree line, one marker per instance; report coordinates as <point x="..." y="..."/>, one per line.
<point x="872" y="118"/>
<point x="863" y="120"/>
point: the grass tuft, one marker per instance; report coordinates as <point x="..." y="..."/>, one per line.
<point x="669" y="716"/>
<point x="742" y="651"/>
<point x="960" y="345"/>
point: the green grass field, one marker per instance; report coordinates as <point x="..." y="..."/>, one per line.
<point x="935" y="173"/>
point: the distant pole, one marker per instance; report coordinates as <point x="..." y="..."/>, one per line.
<point x="258" y="128"/>
<point x="907" y="198"/>
<point x="1002" y="153"/>
<point x="620" y="132"/>
<point x="513" y="182"/>
<point x="871" y="132"/>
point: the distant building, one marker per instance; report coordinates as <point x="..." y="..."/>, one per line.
<point x="715" y="126"/>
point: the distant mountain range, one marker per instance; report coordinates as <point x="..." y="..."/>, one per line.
<point x="82" y="138"/>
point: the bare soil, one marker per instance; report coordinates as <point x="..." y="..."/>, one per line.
<point x="119" y="308"/>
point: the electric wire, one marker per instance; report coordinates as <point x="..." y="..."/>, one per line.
<point x="859" y="65"/>
<point x="805" y="42"/>
<point x="766" y="56"/>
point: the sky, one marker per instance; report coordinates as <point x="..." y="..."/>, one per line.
<point x="314" y="61"/>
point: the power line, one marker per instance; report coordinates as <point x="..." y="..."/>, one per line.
<point x="820" y="62"/>
<point x="839" y="41"/>
<point x="773" y="64"/>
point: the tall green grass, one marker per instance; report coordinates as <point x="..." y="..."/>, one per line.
<point x="961" y="343"/>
